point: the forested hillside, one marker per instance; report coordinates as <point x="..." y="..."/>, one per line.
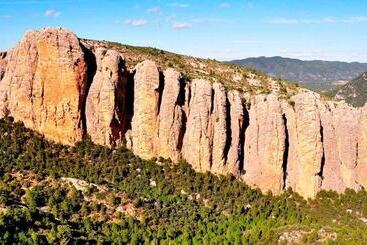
<point x="317" y="75"/>
<point x="52" y="194"/>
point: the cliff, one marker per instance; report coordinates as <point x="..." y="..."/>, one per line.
<point x="220" y="118"/>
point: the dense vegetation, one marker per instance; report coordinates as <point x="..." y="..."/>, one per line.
<point x="170" y="202"/>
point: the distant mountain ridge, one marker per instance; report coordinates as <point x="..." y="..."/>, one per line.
<point x="304" y="71"/>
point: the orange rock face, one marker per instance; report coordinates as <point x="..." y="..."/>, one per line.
<point x="65" y="89"/>
<point x="45" y="84"/>
<point x="106" y="100"/>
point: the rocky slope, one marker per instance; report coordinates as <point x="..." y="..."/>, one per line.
<point x="263" y="131"/>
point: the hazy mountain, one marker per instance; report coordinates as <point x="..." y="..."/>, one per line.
<point x="316" y="74"/>
<point x="355" y="91"/>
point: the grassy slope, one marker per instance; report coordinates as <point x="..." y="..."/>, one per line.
<point x="232" y="76"/>
<point x="175" y="203"/>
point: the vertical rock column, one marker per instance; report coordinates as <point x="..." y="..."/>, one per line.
<point x="45" y="82"/>
<point x="362" y="149"/>
<point x="347" y="131"/>
<point x="16" y="87"/>
<point x="59" y="83"/>
<point x="332" y="179"/>
<point x="220" y="135"/>
<point x="171" y="116"/>
<point x="305" y="146"/>
<point x="144" y="125"/>
<point x="237" y="125"/>
<point x="265" y="144"/>
<point x="106" y="101"/>
<point x="197" y="144"/>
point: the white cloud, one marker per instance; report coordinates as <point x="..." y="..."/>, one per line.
<point x="52" y="13"/>
<point x="136" y="22"/>
<point x="181" y="25"/>
<point x="355" y="19"/>
<point x="154" y="10"/>
<point x="209" y="20"/>
<point x="326" y="20"/>
<point x="6" y="17"/>
<point x="224" y="5"/>
<point x="179" y="5"/>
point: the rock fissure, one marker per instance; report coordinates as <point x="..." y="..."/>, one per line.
<point x="285" y="152"/>
<point x="91" y="69"/>
<point x="323" y="160"/>
<point x="245" y="123"/>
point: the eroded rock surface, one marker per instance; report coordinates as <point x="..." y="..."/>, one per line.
<point x="305" y="144"/>
<point x="45" y="84"/>
<point x="66" y="89"/>
<point x="106" y="101"/>
<point x="265" y="144"/>
<point x="171" y="116"/>
<point x="146" y="109"/>
<point x="3" y="64"/>
<point x="197" y="143"/>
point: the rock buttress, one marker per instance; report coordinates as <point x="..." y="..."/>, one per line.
<point x="265" y="144"/>
<point x="106" y="101"/>
<point x="342" y="131"/>
<point x="144" y="125"/>
<point x="237" y="120"/>
<point x="197" y="144"/>
<point x="171" y="116"/>
<point x="45" y="79"/>
<point x="305" y="146"/>
<point x="220" y="134"/>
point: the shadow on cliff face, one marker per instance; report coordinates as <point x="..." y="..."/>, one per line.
<point x="181" y="99"/>
<point x="285" y="153"/>
<point x="228" y="143"/>
<point x="129" y="100"/>
<point x="245" y="124"/>
<point x="90" y="60"/>
<point x="321" y="172"/>
<point x="120" y="120"/>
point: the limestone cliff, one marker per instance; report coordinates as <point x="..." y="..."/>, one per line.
<point x="266" y="134"/>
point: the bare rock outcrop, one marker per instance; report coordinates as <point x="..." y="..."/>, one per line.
<point x="361" y="168"/>
<point x="342" y="130"/>
<point x="305" y="144"/>
<point x="197" y="143"/>
<point x="64" y="89"/>
<point x="332" y="179"/>
<point x="239" y="122"/>
<point x="220" y="135"/>
<point x="106" y="101"/>
<point x="171" y="116"/>
<point x="265" y="144"/>
<point x="45" y="84"/>
<point x="3" y="64"/>
<point x="144" y="125"/>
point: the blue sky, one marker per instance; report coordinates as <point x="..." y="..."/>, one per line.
<point x="308" y="29"/>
